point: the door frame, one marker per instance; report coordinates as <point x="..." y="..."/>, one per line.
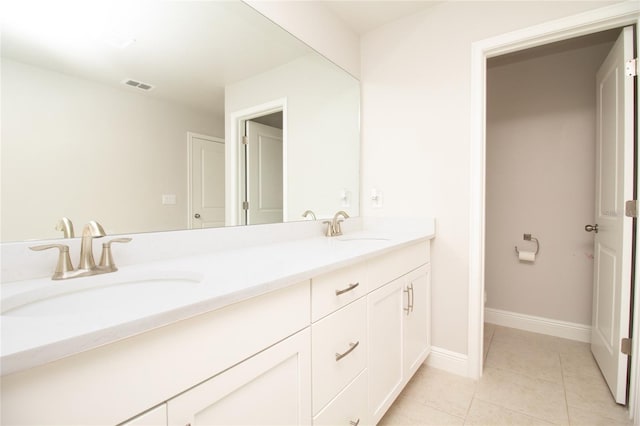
<point x="234" y="181"/>
<point x="190" y="137"/>
<point x="617" y="15"/>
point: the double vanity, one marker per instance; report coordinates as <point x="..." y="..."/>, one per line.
<point x="314" y="330"/>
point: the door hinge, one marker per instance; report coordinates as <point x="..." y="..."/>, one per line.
<point x="631" y="208"/>
<point x="245" y="205"/>
<point x="625" y="346"/>
<point x="631" y="67"/>
<point x="245" y="140"/>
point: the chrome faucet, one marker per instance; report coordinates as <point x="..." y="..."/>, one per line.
<point x="87" y="266"/>
<point x="333" y="227"/>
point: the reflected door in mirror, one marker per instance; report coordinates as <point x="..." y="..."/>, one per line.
<point x="264" y="168"/>
<point x="207" y="181"/>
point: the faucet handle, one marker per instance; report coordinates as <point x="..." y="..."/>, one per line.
<point x="64" y="264"/>
<point x="106" y="259"/>
<point x="329" y="224"/>
<point x="338" y="229"/>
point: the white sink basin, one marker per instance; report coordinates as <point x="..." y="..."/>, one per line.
<point x="110" y="293"/>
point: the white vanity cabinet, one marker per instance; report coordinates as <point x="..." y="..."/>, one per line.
<point x="370" y="334"/>
<point x="154" y="417"/>
<point x="399" y="336"/>
<point x="271" y="388"/>
<point x="333" y="350"/>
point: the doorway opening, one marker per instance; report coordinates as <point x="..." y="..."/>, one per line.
<point x="542" y="157"/>
<point x="606" y="18"/>
<point x="261" y="167"/>
<point x="256" y="181"/>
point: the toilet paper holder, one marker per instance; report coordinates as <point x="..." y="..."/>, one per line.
<point x="528" y="237"/>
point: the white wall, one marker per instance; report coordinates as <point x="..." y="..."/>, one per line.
<point x="416" y="130"/>
<point x="50" y="121"/>
<point x="322" y="151"/>
<point x="315" y="25"/>
<point x="540" y="173"/>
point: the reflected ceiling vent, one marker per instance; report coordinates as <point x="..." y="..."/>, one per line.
<point x="138" y="84"/>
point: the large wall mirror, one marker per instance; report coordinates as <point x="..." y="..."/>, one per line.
<point x="166" y="115"/>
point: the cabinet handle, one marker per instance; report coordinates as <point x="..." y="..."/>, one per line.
<point x="412" y="297"/>
<point x="351" y="287"/>
<point x="408" y="308"/>
<point x="352" y="346"/>
<point x="356" y="423"/>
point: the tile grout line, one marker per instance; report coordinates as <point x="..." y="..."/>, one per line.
<point x="564" y="388"/>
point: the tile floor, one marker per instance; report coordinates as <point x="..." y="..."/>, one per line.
<point x="529" y="379"/>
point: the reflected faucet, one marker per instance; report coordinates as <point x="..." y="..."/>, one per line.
<point x="66" y="226"/>
<point x="309" y="213"/>
<point x="333" y="226"/>
<point x="90" y="231"/>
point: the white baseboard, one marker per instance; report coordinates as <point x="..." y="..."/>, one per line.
<point x="451" y="362"/>
<point x="567" y="330"/>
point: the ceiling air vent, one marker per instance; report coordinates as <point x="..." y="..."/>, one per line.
<point x="138" y="84"/>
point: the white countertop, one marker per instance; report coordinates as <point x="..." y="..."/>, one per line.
<point x="211" y="281"/>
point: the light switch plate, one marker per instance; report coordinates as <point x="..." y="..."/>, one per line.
<point x="168" y="199"/>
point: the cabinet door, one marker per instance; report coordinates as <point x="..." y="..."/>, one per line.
<point x="417" y="320"/>
<point x="270" y="388"/>
<point x="348" y="408"/>
<point x="385" y="308"/>
<point x="154" y="417"/>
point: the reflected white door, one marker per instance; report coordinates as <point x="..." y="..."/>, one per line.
<point x="264" y="166"/>
<point x="614" y="185"/>
<point x="206" y="189"/>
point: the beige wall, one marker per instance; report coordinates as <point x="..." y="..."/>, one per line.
<point x="540" y="177"/>
<point x="416" y="130"/>
<point x="50" y="121"/>
<point x="323" y="150"/>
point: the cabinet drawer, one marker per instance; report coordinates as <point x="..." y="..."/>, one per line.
<point x="392" y="265"/>
<point x="348" y="408"/>
<point x="334" y="290"/>
<point x="339" y="351"/>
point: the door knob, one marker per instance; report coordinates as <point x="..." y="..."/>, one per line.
<point x="591" y="228"/>
<point x="197" y="215"/>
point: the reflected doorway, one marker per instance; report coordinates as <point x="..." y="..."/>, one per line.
<point x="262" y="170"/>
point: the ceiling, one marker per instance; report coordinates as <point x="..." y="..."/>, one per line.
<point x="188" y="51"/>
<point x="363" y="16"/>
<point x="156" y="42"/>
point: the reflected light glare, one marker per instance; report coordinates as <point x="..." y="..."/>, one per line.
<point x="67" y="24"/>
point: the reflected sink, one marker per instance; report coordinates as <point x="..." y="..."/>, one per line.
<point x="104" y="293"/>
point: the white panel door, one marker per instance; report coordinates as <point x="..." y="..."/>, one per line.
<point x="264" y="167"/>
<point x="271" y="388"/>
<point x="206" y="181"/>
<point x="385" y="307"/>
<point x="613" y="236"/>
<point x="417" y="320"/>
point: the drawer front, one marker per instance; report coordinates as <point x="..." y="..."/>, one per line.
<point x="388" y="267"/>
<point x="348" y="408"/>
<point x="339" y="351"/>
<point x="330" y="292"/>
